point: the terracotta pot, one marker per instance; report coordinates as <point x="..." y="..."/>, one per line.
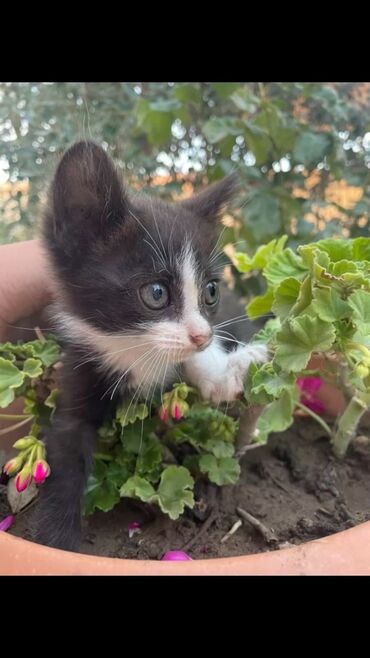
<point x="345" y="553"/>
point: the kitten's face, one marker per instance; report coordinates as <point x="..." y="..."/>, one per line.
<point x="133" y="272"/>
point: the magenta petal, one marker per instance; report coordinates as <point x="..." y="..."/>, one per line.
<point x="6" y="523"/>
<point x="20" y="484"/>
<point x="133" y="528"/>
<point x="316" y="405"/>
<point x="41" y="471"/>
<point x="177" y="412"/>
<point x="163" y="414"/>
<point x="309" y="384"/>
<point x="175" y="556"/>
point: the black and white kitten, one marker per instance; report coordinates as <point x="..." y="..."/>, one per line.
<point x="138" y="294"/>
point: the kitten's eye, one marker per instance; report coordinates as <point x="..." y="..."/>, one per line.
<point x="211" y="293"/>
<point x="154" y="295"/>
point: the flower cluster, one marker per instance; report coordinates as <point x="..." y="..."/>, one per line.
<point x="174" y="403"/>
<point x="29" y="464"/>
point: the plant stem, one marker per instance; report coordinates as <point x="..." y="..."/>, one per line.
<point x="247" y="427"/>
<point x="14" y="416"/>
<point x="318" y="419"/>
<point x="347" y="425"/>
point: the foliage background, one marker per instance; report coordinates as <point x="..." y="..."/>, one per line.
<point x="302" y="150"/>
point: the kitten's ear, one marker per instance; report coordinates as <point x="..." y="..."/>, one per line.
<point x="209" y="203"/>
<point x="87" y="197"/>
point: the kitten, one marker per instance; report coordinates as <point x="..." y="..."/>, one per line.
<point x="138" y="294"/>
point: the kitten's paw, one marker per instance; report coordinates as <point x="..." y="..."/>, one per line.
<point x="230" y="385"/>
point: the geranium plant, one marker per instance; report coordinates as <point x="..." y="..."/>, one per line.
<point x="317" y="301"/>
<point x="320" y="297"/>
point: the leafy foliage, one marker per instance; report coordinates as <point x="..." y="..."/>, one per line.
<point x="301" y="149"/>
<point x="321" y="297"/>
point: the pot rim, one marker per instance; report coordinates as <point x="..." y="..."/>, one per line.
<point x="344" y="553"/>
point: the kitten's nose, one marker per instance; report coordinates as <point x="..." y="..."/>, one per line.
<point x="200" y="340"/>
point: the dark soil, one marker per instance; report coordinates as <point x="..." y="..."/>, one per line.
<point x="293" y="486"/>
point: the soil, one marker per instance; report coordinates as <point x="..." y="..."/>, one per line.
<point x="294" y="488"/>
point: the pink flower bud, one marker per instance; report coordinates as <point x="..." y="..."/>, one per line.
<point x="11" y="467"/>
<point x="133" y="528"/>
<point x="41" y="471"/>
<point x="6" y="523"/>
<point x="174" y="556"/>
<point x="23" y="479"/>
<point x="163" y="414"/>
<point x="176" y="412"/>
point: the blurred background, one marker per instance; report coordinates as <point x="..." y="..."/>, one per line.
<point x="302" y="150"/>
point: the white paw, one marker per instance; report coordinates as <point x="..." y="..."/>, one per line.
<point x="228" y="386"/>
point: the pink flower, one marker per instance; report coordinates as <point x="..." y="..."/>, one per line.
<point x="11" y="467"/>
<point x="163" y="414"/>
<point x="133" y="528"/>
<point x="176" y="412"/>
<point x="176" y="556"/>
<point x="22" y="480"/>
<point x="309" y="387"/>
<point x="6" y="523"/>
<point x="41" y="471"/>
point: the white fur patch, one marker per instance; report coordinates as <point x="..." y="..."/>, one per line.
<point x="194" y="322"/>
<point x="145" y="356"/>
<point x="220" y="375"/>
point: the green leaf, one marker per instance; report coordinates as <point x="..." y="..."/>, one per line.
<point x="275" y="417"/>
<point x="285" y="297"/>
<point x="225" y="89"/>
<point x="268" y="333"/>
<point x="298" y="338"/>
<point x="258" y="142"/>
<point x="217" y="128"/>
<point x="336" y="249"/>
<point x="149" y="457"/>
<point x="359" y="301"/>
<point x="175" y="491"/>
<point x="188" y="93"/>
<point x="117" y="473"/>
<point x="361" y="249"/>
<point x="101" y="495"/>
<point x="260" y="305"/>
<point x="10" y="377"/>
<point x="262" y="256"/>
<point x="262" y="216"/>
<point x="51" y="399"/>
<point x="6" y="397"/>
<point x="245" y="100"/>
<point x="128" y="413"/>
<point x="137" y="487"/>
<point x="32" y="367"/>
<point x="328" y="305"/>
<point x="284" y="265"/>
<point x="220" y="471"/>
<point x="310" y="148"/>
<point x="47" y="351"/>
<point x="272" y="382"/>
<point x="220" y="448"/>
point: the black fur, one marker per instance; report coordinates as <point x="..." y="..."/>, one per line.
<point x="97" y="238"/>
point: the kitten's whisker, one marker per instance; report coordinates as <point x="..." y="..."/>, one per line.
<point x="227" y="322"/>
<point x="154" y="245"/>
<point x="159" y="235"/>
<point x="117" y="382"/>
<point x="217" y="243"/>
<point x="136" y="394"/>
<point x="99" y="356"/>
<point x="231" y="340"/>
